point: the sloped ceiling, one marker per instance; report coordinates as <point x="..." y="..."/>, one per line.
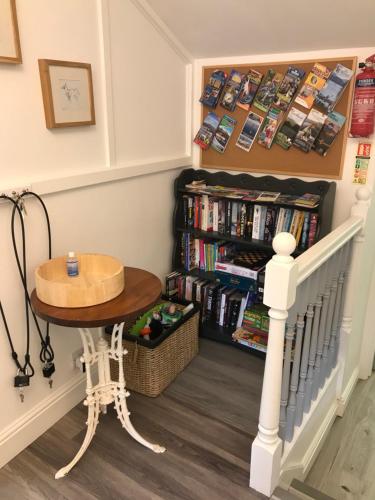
<point x="214" y="28"/>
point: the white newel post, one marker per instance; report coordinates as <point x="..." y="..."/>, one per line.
<point x="360" y="208"/>
<point x="279" y="294"/>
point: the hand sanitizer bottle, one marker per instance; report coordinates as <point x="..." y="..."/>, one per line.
<point x="72" y="264"/>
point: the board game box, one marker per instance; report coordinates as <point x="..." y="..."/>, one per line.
<point x="251" y="259"/>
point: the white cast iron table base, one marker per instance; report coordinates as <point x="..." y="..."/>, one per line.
<point x="106" y="391"/>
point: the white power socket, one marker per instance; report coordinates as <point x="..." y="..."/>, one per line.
<point x="76" y="358"/>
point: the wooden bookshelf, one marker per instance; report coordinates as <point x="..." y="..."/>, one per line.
<point x="326" y="191"/>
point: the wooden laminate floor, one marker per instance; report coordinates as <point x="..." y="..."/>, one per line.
<point x="207" y="419"/>
<point x="345" y="468"/>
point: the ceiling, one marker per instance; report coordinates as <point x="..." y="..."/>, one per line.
<point x="213" y="28"/>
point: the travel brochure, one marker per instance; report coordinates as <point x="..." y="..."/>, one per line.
<point x="212" y="91"/>
<point x="207" y="131"/>
<point x="334" y="87"/>
<point x="273" y="94"/>
<point x="267" y="90"/>
<point x="250" y="87"/>
<point x="249" y="131"/>
<point x="223" y="133"/>
<point x="288" y="87"/>
<point x="314" y="82"/>
<point x="270" y="126"/>
<point x="329" y="132"/>
<point x="232" y="90"/>
<point x="309" y="130"/>
<point x="290" y="127"/>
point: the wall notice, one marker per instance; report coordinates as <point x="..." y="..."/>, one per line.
<point x="361" y="163"/>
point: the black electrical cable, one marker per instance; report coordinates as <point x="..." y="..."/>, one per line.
<point x="14" y="354"/>
<point x="46" y="354"/>
<point x="27" y="364"/>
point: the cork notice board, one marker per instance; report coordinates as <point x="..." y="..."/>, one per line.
<point x="276" y="160"/>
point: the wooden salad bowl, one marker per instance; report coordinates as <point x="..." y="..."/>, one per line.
<point x="100" y="279"/>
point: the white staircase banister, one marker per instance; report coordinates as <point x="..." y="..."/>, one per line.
<point x="279" y="294"/>
<point x="335" y="255"/>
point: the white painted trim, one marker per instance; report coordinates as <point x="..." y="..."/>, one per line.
<point x="301" y="468"/>
<point x="23" y="431"/>
<point x="319" y="253"/>
<point x="108" y="175"/>
<point x="106" y="72"/>
<point x="144" y="7"/>
<point x="343" y="400"/>
<point x="368" y="339"/>
<point x="277" y="56"/>
<point x="189" y="108"/>
<point x="196" y="111"/>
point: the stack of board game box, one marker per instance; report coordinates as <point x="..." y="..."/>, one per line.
<point x="253" y="332"/>
<point x="235" y="286"/>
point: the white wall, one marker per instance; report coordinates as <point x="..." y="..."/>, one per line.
<point x="217" y="28"/>
<point x="49" y="30"/>
<point x="110" y="209"/>
<point x="148" y="88"/>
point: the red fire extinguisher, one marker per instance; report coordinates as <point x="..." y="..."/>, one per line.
<point x="363" y="115"/>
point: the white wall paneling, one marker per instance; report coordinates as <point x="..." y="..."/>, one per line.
<point x="108" y="187"/>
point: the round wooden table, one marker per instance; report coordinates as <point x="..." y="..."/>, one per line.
<point x="142" y="290"/>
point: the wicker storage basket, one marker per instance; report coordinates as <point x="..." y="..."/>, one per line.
<point x="150" y="366"/>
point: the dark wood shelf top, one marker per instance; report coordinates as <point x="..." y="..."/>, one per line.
<point x="254" y="202"/>
<point x="142" y="290"/>
<point x="199" y="273"/>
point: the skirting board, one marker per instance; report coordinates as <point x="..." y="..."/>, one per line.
<point x="348" y="391"/>
<point x="23" y="431"/>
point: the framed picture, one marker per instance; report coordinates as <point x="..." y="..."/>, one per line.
<point x="68" y="96"/>
<point x="10" y="47"/>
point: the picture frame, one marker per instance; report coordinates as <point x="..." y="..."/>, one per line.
<point x="10" y="46"/>
<point x="67" y="90"/>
